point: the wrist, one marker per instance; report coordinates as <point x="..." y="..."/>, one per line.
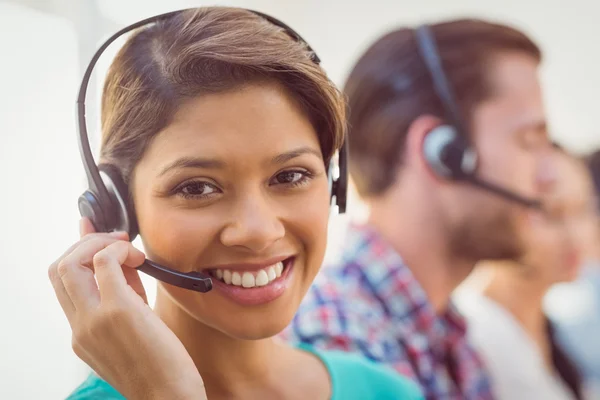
<point x="180" y="390"/>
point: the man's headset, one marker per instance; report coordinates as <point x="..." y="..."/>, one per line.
<point x="106" y="202"/>
<point x="445" y="147"/>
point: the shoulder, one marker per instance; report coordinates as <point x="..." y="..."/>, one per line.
<point x="506" y="350"/>
<point x="487" y="320"/>
<point x="338" y="313"/>
<point x="95" y="388"/>
<point x="355" y="377"/>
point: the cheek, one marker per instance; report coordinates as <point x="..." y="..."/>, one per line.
<point x="307" y="224"/>
<point x="175" y="236"/>
<point x="549" y="248"/>
<point x="503" y="161"/>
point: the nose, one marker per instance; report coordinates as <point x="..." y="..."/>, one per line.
<point x="254" y="225"/>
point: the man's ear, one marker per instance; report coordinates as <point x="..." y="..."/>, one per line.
<point x="417" y="131"/>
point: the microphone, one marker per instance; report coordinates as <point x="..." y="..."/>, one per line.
<point x="503" y="192"/>
<point x="195" y="281"/>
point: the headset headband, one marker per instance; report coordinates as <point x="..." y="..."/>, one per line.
<point x="431" y="56"/>
<point x="95" y="182"/>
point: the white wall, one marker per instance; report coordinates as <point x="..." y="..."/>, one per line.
<point x="41" y="180"/>
<point x="40" y="169"/>
<point x="339" y="30"/>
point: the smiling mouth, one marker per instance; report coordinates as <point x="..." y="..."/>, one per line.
<point x="251" y="279"/>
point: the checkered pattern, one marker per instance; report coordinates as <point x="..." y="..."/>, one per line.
<point x="371" y="303"/>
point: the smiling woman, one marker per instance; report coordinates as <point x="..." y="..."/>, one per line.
<point x="245" y="192"/>
<point x="221" y="126"/>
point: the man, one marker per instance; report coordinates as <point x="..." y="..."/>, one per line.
<point x="389" y="295"/>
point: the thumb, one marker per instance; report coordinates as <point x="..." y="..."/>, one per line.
<point x="85" y="227"/>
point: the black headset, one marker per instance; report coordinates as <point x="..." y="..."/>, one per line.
<point x="106" y="202"/>
<point x="446" y="149"/>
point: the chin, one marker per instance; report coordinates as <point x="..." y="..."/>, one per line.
<point x="254" y="323"/>
<point x="255" y="330"/>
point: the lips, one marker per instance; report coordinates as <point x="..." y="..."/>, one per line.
<point x="251" y="285"/>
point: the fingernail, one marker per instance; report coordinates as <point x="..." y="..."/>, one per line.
<point x="117" y="233"/>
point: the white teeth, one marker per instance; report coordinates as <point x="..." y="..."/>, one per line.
<point x="236" y="279"/>
<point x="262" y="278"/>
<point x="227" y="276"/>
<point x="248" y="280"/>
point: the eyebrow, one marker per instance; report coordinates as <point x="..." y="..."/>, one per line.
<point x="290" y="155"/>
<point x="192" y="162"/>
<point x="208" y="163"/>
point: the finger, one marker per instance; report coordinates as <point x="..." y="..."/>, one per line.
<point x="108" y="264"/>
<point x="85" y="227"/>
<point x="132" y="276"/>
<point x="57" y="283"/>
<point x="88" y="237"/>
<point x="77" y="272"/>
<point x="60" y="291"/>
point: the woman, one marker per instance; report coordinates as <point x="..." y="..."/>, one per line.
<point x="506" y="319"/>
<point x="221" y="126"/>
<point x="574" y="307"/>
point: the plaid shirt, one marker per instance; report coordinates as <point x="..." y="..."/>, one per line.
<point x="371" y="303"/>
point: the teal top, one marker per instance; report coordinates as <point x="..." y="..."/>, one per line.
<point x="352" y="378"/>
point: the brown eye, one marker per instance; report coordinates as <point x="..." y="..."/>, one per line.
<point x="196" y="189"/>
<point x="291" y="178"/>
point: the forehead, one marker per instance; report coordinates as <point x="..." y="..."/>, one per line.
<point x="516" y="100"/>
<point x="246" y="123"/>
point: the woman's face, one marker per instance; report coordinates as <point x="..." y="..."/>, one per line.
<point x="236" y="187"/>
<point x="558" y="237"/>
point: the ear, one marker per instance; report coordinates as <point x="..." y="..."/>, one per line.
<point x="417" y="131"/>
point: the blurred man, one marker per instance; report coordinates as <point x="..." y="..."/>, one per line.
<point x="389" y="295"/>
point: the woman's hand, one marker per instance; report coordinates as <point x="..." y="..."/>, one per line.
<point x="114" y="330"/>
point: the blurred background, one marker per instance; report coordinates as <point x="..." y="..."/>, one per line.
<point x="46" y="44"/>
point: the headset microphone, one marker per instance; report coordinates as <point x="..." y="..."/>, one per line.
<point x="503" y="192"/>
<point x="106" y="202"/>
<point x="445" y="147"/>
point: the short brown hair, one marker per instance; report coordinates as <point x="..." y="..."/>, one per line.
<point x="390" y="87"/>
<point x="201" y="51"/>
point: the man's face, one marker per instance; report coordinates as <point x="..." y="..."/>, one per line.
<point x="510" y="135"/>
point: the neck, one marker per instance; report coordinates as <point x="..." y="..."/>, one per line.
<point x="227" y="365"/>
<point x="522" y="296"/>
<point x="416" y="236"/>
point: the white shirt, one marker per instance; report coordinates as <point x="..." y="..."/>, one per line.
<point x="514" y="361"/>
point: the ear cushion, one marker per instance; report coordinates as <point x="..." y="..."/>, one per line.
<point x="90" y="207"/>
<point x="448" y="154"/>
<point x="337" y="175"/>
<point x="121" y="205"/>
<point x="340" y="189"/>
